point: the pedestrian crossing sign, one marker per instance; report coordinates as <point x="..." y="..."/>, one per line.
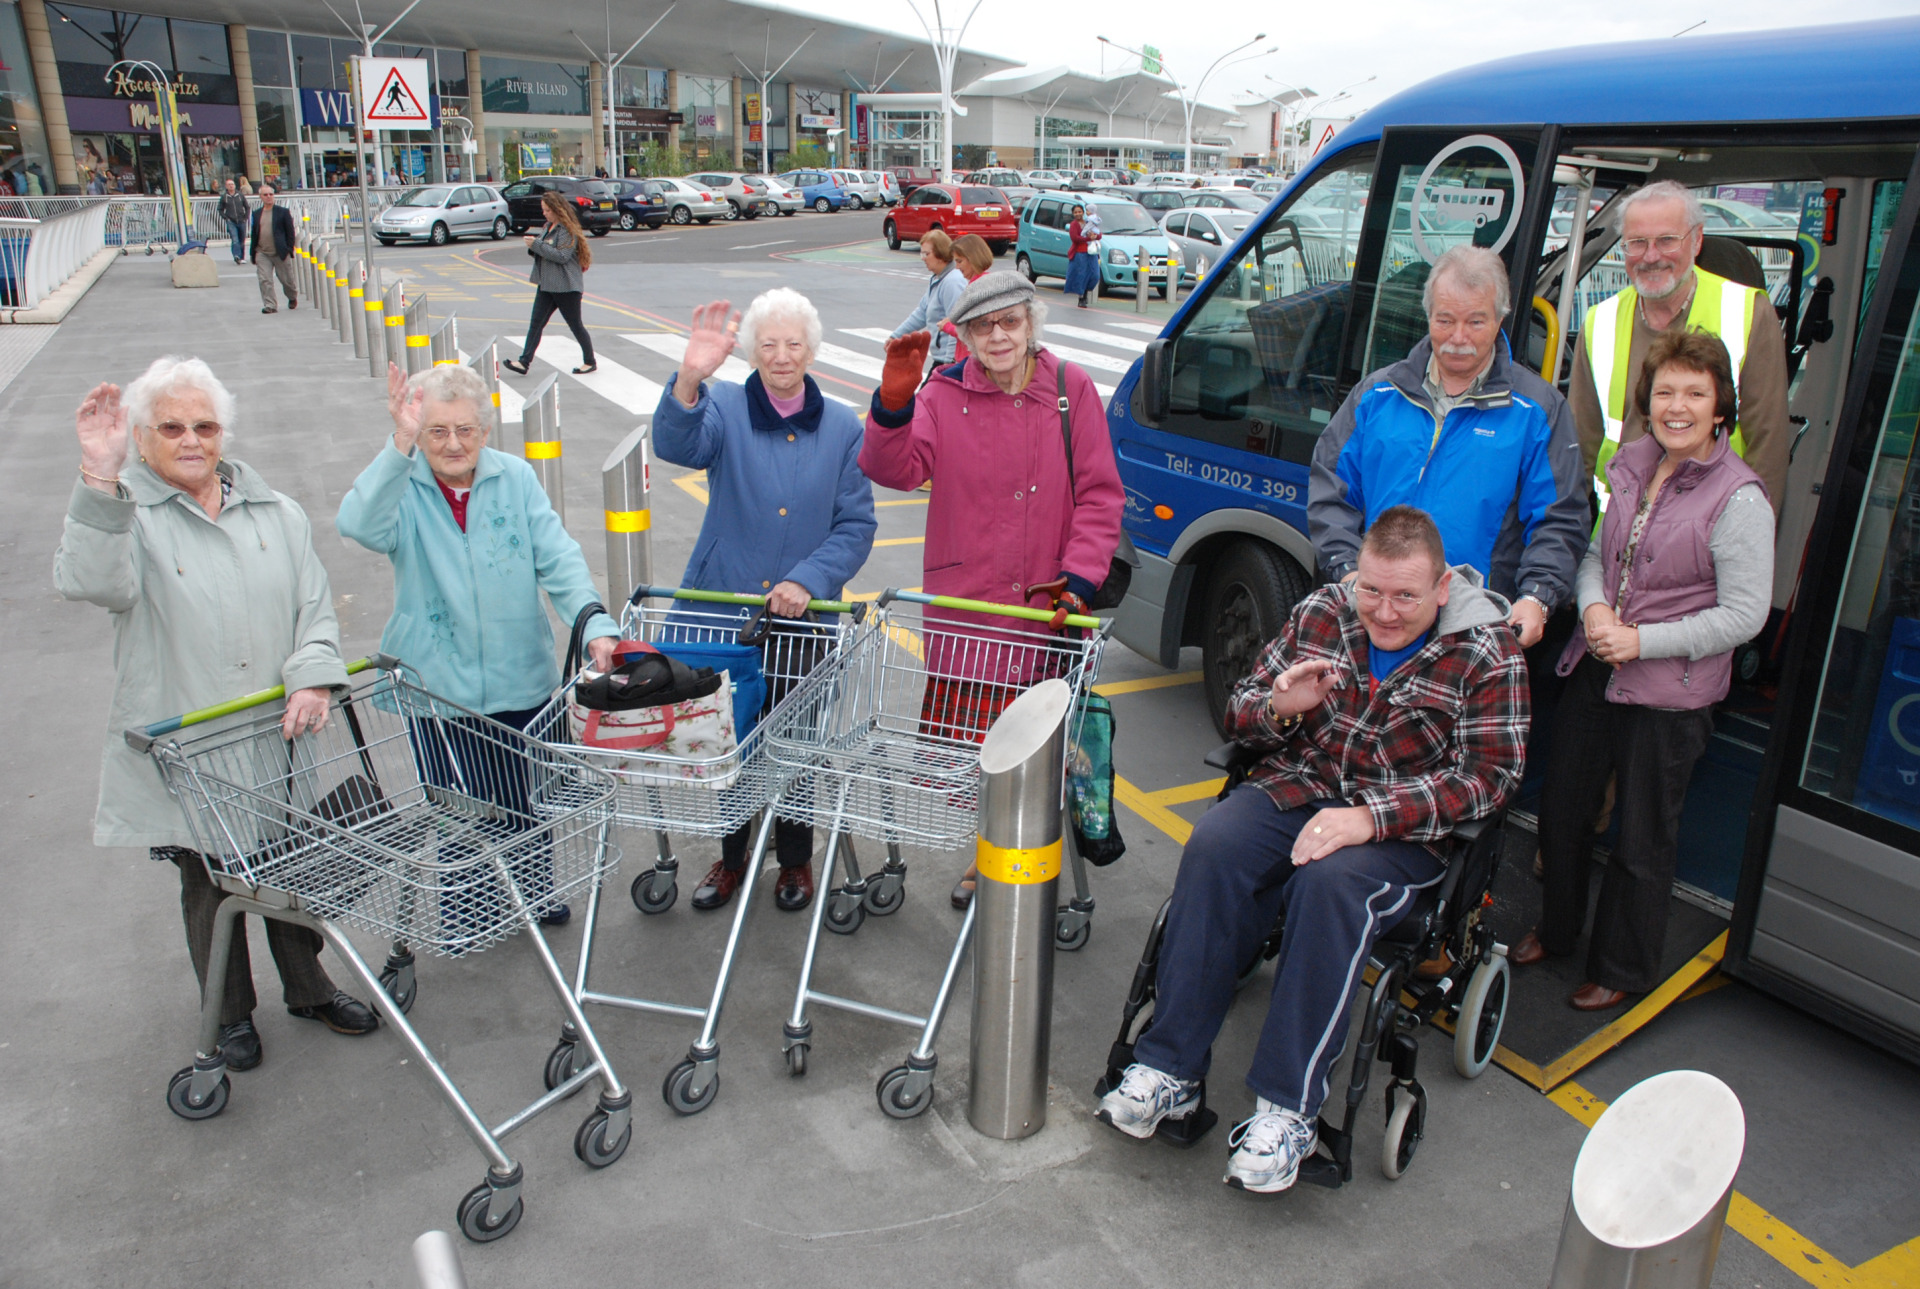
<point x="395" y="93"/>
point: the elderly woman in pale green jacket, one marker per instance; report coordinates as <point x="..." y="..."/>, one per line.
<point x="215" y="592"/>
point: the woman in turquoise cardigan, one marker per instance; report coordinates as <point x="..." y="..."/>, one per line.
<point x="474" y="542"/>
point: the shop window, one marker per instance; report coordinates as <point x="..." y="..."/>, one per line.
<point x="268" y="52"/>
<point x="274" y="107"/>
<point x="201" y="59"/>
<point x="533" y="86"/>
<point x="23" y="141"/>
<point x="451" y="72"/>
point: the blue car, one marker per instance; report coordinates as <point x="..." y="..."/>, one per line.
<point x="817" y="189"/>
<point x="1125" y="231"/>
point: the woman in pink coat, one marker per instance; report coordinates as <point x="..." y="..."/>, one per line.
<point x="1007" y="521"/>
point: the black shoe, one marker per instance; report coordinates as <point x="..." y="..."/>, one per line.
<point x="558" y="915"/>
<point x="717" y="887"/>
<point x="240" y="1044"/>
<point x="514" y="365"/>
<point x="794" y="891"/>
<point x="344" y="1015"/>
<point x="588" y="370"/>
<point x="269" y="310"/>
<point x="293" y="304"/>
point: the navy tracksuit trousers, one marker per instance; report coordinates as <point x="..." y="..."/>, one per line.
<point x="1235" y="876"/>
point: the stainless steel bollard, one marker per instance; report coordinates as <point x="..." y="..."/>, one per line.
<point x="1021" y="764"/>
<point x="357" y="307"/>
<point x="540" y="422"/>
<point x="1142" y="277"/>
<point x="1176" y="268"/>
<point x="486" y="361"/>
<point x="343" y="302"/>
<point x="626" y="484"/>
<point x="393" y="321"/>
<point x="437" y="1262"/>
<point x="376" y="312"/>
<point x="443" y="347"/>
<point x="1651" y="1187"/>
<point x="418" y="338"/>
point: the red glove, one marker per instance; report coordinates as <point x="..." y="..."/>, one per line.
<point x="906" y="359"/>
<point x="1064" y="601"/>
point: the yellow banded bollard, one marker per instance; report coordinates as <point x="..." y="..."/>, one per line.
<point x="357" y="307"/>
<point x="1022" y="764"/>
<point x="486" y="361"/>
<point x="626" y="481"/>
<point x="376" y="312"/>
<point x="344" y="306"/>
<point x="418" y="338"/>
<point x="540" y="422"/>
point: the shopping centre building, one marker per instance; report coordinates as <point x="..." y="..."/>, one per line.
<point x="263" y="90"/>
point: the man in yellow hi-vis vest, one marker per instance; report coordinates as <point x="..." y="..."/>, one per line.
<point x="1660" y="235"/>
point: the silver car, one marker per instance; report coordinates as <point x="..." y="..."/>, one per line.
<point x="746" y="198"/>
<point x="439" y="213"/>
<point x="889" y="188"/>
<point x="1200" y="237"/>
<point x="862" y="192"/>
<point x="1011" y="182"/>
<point x="1046" y="179"/>
<point x="785" y="200"/>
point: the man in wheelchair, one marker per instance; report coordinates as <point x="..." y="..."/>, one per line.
<point x="1390" y="710"/>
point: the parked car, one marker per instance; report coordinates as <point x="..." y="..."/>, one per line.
<point x="688" y="202"/>
<point x="1011" y="182"/>
<point x="1268" y="187"/>
<point x="907" y="178"/>
<point x="639" y="203"/>
<point x="1046" y="179"/>
<point x="746" y="198"/>
<point x="786" y="201"/>
<point x="889" y="186"/>
<point x="1087" y="180"/>
<point x="593" y="202"/>
<point x="1126" y="230"/>
<point x="817" y="188"/>
<point x="958" y="209"/>
<point x="1200" y="237"/>
<point x="861" y="192"/>
<point x="441" y="213"/>
<point x="1228" y="199"/>
<point x="1175" y="178"/>
<point x="1159" y="202"/>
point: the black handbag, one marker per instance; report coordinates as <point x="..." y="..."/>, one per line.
<point x="1119" y="573"/>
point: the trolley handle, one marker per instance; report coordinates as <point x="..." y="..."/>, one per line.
<point x="982" y="606"/>
<point x="857" y="608"/>
<point x="141" y="739"/>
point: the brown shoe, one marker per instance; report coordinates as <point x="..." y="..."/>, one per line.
<point x="717" y="887"/>
<point x="963" y="889"/>
<point x="1436" y="967"/>
<point x="1528" y="951"/>
<point x="1595" y="998"/>
<point x="794" y="889"/>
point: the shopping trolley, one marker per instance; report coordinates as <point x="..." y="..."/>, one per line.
<point x="410" y="818"/>
<point x="708" y="796"/>
<point x="887" y="746"/>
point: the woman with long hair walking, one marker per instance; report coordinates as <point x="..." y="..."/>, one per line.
<point x="561" y="258"/>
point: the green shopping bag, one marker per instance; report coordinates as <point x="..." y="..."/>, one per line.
<point x="1090" y="785"/>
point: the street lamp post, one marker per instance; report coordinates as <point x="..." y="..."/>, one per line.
<point x="765" y="78"/>
<point x="612" y="65"/>
<point x="946" y="51"/>
<point x="1190" y="102"/>
<point x="1305" y="105"/>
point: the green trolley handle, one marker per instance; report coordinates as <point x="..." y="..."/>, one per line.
<point x="643" y="592"/>
<point x="982" y="606"/>
<point x="160" y="729"/>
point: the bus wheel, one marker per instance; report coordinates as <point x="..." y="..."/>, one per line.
<point x="1250" y="592"/>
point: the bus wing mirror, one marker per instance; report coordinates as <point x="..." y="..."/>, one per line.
<point x="1156" y="371"/>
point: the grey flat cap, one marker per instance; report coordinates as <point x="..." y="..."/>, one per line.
<point x="989" y="293"/>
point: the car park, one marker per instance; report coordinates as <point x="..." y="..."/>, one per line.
<point x="1126" y="231"/>
<point x="817" y="188"/>
<point x="638" y="203"/>
<point x="592" y="199"/>
<point x="957" y="209"/>
<point x="1087" y="180"/>
<point x="746" y="198"/>
<point x="907" y="178"/>
<point x="688" y="202"/>
<point x="889" y="186"/>
<point x="1046" y="179"/>
<point x="1200" y="238"/>
<point x="1011" y="182"/>
<point x="1158" y="202"/>
<point x="1227" y="199"/>
<point x="862" y="192"/>
<point x="443" y="212"/>
<point x="785" y="200"/>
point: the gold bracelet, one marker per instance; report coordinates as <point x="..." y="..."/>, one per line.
<point x="88" y="474"/>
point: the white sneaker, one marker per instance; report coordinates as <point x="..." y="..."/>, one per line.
<point x="1144" y="1097"/>
<point x="1268" y="1148"/>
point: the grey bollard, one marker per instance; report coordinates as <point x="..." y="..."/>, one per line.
<point x="376" y="312"/>
<point x="1176" y="267"/>
<point x="357" y="307"/>
<point x="418" y="339"/>
<point x="443" y="346"/>
<point x="486" y="361"/>
<point x="1142" y="280"/>
<point x="1651" y="1187"/>
<point x="393" y="321"/>
<point x="344" y="305"/>
<point x="540" y="422"/>
<point x="625" y="485"/>
<point x="437" y="1262"/>
<point x="1022" y="761"/>
<point x="325" y="283"/>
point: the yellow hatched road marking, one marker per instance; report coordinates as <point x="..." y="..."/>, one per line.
<point x="694" y="485"/>
<point x="908" y="501"/>
<point x="900" y="541"/>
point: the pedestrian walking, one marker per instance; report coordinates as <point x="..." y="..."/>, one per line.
<point x="1083" y="273"/>
<point x="561" y="259"/>
<point x="972" y="256"/>
<point x="273" y="242"/>
<point x="790" y="516"/>
<point x="233" y="210"/>
<point x="944" y="285"/>
<point x="246" y="186"/>
<point x="214" y="590"/>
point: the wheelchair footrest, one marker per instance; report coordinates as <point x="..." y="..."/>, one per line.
<point x="1188" y="1131"/>
<point x="1333" y="1168"/>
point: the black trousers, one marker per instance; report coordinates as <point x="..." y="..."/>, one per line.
<point x="792" y="844"/>
<point x="296" y="949"/>
<point x="1652" y="751"/>
<point x="544" y="303"/>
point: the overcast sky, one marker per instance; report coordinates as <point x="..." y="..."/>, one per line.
<point x="1327" y="46"/>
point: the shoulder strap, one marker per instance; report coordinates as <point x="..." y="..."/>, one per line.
<point x="1066" y="434"/>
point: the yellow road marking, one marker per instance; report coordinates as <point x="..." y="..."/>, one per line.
<point x="1116" y="688"/>
<point x="1150" y="810"/>
<point x="1702" y="963"/>
<point x="1186" y="792"/>
<point x="900" y="541"/>
<point x="1707" y="986"/>
<point x="694" y="485"/>
<point x="908" y="501"/>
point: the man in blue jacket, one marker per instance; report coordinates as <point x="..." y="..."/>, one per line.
<point x="1461" y="431"/>
<point x="273" y="247"/>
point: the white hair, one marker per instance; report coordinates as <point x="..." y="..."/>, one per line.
<point x="1474" y="267"/>
<point x="1036" y="322"/>
<point x="780" y="304"/>
<point x="453" y="383"/>
<point x="171" y="375"/>
<point x="1665" y="190"/>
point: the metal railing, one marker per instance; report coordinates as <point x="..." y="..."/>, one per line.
<point x="38" y="255"/>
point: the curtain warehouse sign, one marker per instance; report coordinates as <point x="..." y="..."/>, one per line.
<point x="396" y="94"/>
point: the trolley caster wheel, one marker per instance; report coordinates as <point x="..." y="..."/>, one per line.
<point x="677" y="1091"/>
<point x="655" y="892"/>
<point x="560" y="1065"/>
<point x="885" y="894"/>
<point x="180" y="1096"/>
<point x="1071" y="932"/>
<point x="896" y="1102"/>
<point x="399" y="982"/>
<point x="845" y="912"/>
<point x="1406" y="1125"/>
<point x="797" y="1060"/>
<point x="478" y="1221"/>
<point x="592" y="1146"/>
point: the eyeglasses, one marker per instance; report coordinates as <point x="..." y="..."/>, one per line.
<point x="1369" y="597"/>
<point x="1010" y="322"/>
<point x="1635" y="247"/>
<point x="441" y="433"/>
<point x="201" y="429"/>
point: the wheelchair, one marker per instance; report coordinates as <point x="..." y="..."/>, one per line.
<point x="1444" y="924"/>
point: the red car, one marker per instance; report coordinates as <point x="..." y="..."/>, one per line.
<point x="907" y="178"/>
<point x="957" y="208"/>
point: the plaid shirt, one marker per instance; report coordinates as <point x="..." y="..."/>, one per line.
<point x="1443" y="739"/>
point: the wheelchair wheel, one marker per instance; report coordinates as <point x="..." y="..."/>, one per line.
<point x="1405" y="1127"/>
<point x="1483" y="1010"/>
